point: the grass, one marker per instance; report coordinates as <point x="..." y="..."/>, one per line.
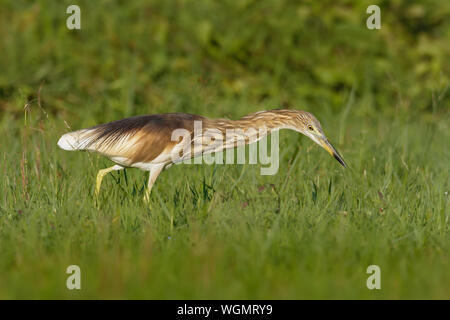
<point x="225" y="231"/>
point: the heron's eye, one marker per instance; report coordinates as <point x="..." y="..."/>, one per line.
<point x="310" y="128"/>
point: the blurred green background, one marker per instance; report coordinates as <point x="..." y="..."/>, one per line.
<point x="225" y="231"/>
<point x="135" y="57"/>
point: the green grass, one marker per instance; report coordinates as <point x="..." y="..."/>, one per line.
<point x="225" y="231"/>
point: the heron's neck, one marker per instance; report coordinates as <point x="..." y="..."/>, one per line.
<point x="260" y="121"/>
<point x="252" y="127"/>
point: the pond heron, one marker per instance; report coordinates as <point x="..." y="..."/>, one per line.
<point x="147" y="142"/>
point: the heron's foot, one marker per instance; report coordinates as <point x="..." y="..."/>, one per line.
<point x="100" y="176"/>
<point x="147" y="196"/>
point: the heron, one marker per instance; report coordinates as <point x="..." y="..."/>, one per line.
<point x="146" y="142"/>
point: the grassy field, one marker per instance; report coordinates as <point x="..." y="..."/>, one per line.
<point x="225" y="231"/>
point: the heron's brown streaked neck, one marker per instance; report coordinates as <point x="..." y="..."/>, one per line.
<point x="269" y="120"/>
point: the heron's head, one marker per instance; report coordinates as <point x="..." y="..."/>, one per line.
<point x="307" y="124"/>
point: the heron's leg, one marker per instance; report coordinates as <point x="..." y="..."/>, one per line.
<point x="154" y="173"/>
<point x="102" y="173"/>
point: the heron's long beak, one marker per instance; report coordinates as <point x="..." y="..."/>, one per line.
<point x="332" y="150"/>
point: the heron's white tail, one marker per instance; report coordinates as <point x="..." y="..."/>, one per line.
<point x="76" y="140"/>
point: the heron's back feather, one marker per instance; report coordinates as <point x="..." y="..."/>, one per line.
<point x="137" y="139"/>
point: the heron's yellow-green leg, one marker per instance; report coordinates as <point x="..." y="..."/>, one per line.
<point x="101" y="174"/>
<point x="154" y="173"/>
